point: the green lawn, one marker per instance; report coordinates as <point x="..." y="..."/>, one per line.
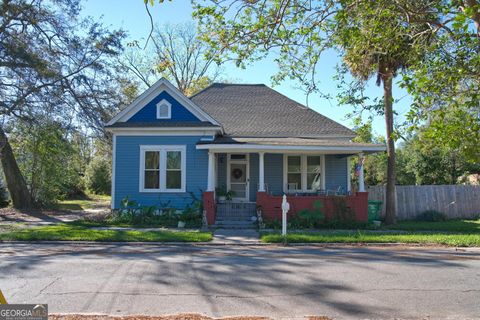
<point x="450" y="225"/>
<point x="92" y="201"/>
<point x="65" y="232"/>
<point x="462" y="233"/>
<point x="450" y="239"/>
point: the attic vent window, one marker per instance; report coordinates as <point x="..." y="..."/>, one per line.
<point x="164" y="110"/>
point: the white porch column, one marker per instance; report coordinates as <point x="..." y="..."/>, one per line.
<point x="211" y="171"/>
<point x="261" y="170"/>
<point x="361" y="178"/>
<point x="349" y="177"/>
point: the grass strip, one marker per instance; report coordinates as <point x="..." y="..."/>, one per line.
<point x="67" y="232"/>
<point x="449" y="239"/>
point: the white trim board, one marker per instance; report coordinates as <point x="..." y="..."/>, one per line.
<point x="190" y="131"/>
<point x="272" y="148"/>
<point x="152" y="92"/>
<point x="114" y="163"/>
<point x="162" y="149"/>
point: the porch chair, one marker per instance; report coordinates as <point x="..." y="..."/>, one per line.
<point x="292" y="187"/>
<point x="335" y="192"/>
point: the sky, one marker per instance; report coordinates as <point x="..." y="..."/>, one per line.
<point x="130" y="15"/>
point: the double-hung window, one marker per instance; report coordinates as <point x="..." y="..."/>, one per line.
<point x="303" y="173"/>
<point x="162" y="168"/>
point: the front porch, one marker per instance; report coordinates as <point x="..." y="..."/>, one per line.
<point x="259" y="179"/>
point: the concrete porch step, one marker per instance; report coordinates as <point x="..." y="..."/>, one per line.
<point x="234" y="216"/>
<point x="234" y="219"/>
<point x="229" y="224"/>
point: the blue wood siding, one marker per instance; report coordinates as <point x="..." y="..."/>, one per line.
<point x="274" y="173"/>
<point x="336" y="172"/>
<point x="149" y="112"/>
<point x="127" y="170"/>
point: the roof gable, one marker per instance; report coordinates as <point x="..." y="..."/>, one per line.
<point x="144" y="108"/>
<point x="259" y="111"/>
<point x="149" y="112"/>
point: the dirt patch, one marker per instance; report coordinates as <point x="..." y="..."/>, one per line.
<point x="186" y="316"/>
<point x="47" y="216"/>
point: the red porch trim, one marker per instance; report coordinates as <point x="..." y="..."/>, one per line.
<point x="209" y="206"/>
<point x="272" y="205"/>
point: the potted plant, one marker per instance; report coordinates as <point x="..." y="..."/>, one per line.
<point x="229" y="195"/>
<point x="182" y="219"/>
<point x="191" y="215"/>
<point x="221" y="194"/>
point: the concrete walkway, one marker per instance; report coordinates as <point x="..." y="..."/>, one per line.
<point x="236" y="236"/>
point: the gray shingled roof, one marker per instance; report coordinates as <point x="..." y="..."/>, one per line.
<point x="259" y="111"/>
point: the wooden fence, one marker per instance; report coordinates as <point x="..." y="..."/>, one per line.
<point x="457" y="201"/>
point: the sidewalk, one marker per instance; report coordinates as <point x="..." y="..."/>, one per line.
<point x="236" y="236"/>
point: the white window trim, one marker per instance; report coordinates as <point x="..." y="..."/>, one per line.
<point x="163" y="166"/>
<point x="303" y="171"/>
<point x="169" y="106"/>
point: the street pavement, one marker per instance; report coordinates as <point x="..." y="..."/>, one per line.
<point x="279" y="282"/>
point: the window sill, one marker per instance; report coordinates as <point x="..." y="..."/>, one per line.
<point x="162" y="191"/>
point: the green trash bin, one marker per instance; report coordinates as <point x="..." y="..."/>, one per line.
<point x="374" y="210"/>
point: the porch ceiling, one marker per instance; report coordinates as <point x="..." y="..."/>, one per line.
<point x="289" y="145"/>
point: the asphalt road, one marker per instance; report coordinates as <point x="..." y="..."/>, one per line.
<point x="279" y="282"/>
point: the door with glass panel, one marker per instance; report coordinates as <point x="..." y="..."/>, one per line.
<point x="238" y="177"/>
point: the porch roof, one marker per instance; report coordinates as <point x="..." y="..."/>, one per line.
<point x="283" y="144"/>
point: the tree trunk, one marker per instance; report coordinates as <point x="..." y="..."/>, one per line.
<point x="390" y="208"/>
<point x="16" y="184"/>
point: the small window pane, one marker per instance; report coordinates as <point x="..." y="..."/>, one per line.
<point x="294" y="164"/>
<point x="163" y="111"/>
<point x="313" y="181"/>
<point x="174" y="179"/>
<point x="174" y="159"/>
<point x="295" y="178"/>
<point x="152" y="180"/>
<point x="152" y="160"/>
<point x="238" y="157"/>
<point x="313" y="164"/>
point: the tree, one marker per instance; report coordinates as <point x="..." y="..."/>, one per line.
<point x="374" y="38"/>
<point x="377" y="41"/>
<point x="445" y="85"/>
<point x="46" y="67"/>
<point x="176" y="53"/>
<point x="48" y="157"/>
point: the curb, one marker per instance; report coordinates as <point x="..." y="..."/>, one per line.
<point x="232" y="244"/>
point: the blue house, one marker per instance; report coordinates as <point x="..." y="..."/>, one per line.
<point x="248" y="139"/>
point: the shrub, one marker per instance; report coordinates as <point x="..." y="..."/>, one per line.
<point x="272" y="223"/>
<point x="131" y="212"/>
<point x="97" y="176"/>
<point x="4" y="199"/>
<point x="342" y="216"/>
<point x="309" y="218"/>
<point x="431" y="216"/>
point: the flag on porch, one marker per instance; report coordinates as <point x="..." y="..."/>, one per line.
<point x="358" y="166"/>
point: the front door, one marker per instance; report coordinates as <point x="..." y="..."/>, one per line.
<point x="238" y="177"/>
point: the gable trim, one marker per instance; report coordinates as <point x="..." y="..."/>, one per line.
<point x="160" y="86"/>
